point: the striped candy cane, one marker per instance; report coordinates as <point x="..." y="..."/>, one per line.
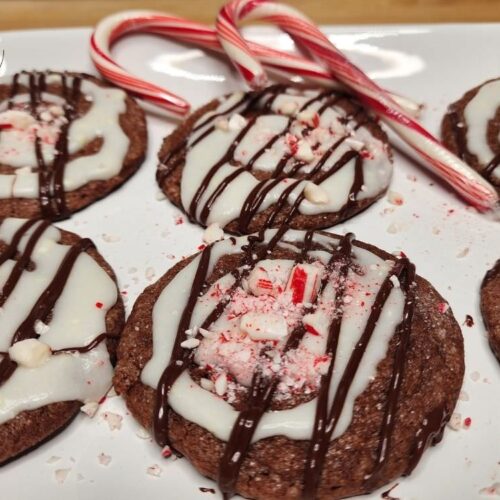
<point x="118" y="25"/>
<point x="467" y="182"/>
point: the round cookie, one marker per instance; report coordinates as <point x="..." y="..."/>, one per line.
<point x="66" y="140"/>
<point x="255" y="160"/>
<point x="251" y="324"/>
<point x="471" y="129"/>
<point x="490" y="306"/>
<point x="61" y="319"/>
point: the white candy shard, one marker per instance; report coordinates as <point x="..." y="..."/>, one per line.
<point x="104" y="459"/>
<point x="309" y="117"/>
<point x="289" y="108"/>
<point x="30" y="353"/>
<point x="395" y="281"/>
<point x="154" y="470"/>
<point x="237" y="122"/>
<point x="315" y="194"/>
<point x="61" y="475"/>
<point x="19" y="120"/>
<point x="113" y="419"/>
<point x="190" y="343"/>
<point x="221" y="124"/>
<point x="206" y="333"/>
<point x="213" y="233"/>
<point x="304" y="283"/>
<point x="41" y="327"/>
<point x="395" y="198"/>
<point x="264" y="326"/>
<point x="304" y="151"/>
<point x="221" y="384"/>
<point x="207" y="384"/>
<point x="354" y="144"/>
<point x="259" y="282"/>
<point x="90" y="409"/>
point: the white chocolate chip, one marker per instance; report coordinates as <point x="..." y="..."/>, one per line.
<point x="395" y="281"/>
<point x="90" y="409"/>
<point x="304" y="151"/>
<point x="30" y="353"/>
<point x="260" y="326"/>
<point x="213" y="233"/>
<point x="206" y="333"/>
<point x="221" y="384"/>
<point x="41" y="327"/>
<point x="289" y="108"/>
<point x="315" y="194"/>
<point x="237" y="122"/>
<point x="221" y="123"/>
<point x="190" y="343"/>
<point x="309" y="117"/>
<point x="207" y="384"/>
<point x="355" y="144"/>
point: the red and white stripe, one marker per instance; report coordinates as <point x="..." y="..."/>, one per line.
<point x="113" y="27"/>
<point x="468" y="183"/>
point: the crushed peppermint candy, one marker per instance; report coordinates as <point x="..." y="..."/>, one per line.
<point x="104" y="459"/>
<point x="190" y="343"/>
<point x="61" y="475"/>
<point x="114" y="420"/>
<point x="154" y="470"/>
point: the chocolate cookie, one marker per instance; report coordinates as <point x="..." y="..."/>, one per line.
<point x="66" y="140"/>
<point x="258" y="159"/>
<point x="471" y="129"/>
<point x="241" y="379"/>
<point x="490" y="306"/>
<point x="61" y="320"/>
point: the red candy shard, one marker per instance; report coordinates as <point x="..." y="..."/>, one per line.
<point x="467" y="422"/>
<point x="99" y="305"/>
<point x="312" y="330"/>
<point x="166" y="452"/>
<point x="5" y="126"/>
<point x="303" y="283"/>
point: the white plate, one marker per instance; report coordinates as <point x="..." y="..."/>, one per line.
<point x="137" y="234"/>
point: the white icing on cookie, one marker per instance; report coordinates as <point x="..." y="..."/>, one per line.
<point x="186" y="397"/>
<point x="78" y="318"/>
<point x="477" y="114"/>
<point x="207" y="147"/>
<point x="101" y="121"/>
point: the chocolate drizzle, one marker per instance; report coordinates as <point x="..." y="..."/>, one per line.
<point x="52" y="196"/>
<point x="263" y="387"/>
<point x="48" y="298"/>
<point x="253" y="105"/>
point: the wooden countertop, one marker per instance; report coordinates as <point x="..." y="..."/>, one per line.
<point x="24" y="14"/>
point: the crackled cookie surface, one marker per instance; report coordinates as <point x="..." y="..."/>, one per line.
<point x="66" y="140"/>
<point x="60" y="319"/>
<point x="293" y="364"/>
<point x="471" y="129"/>
<point x="490" y="306"/>
<point x="254" y="160"/>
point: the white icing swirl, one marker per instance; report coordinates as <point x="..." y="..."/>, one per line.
<point x="218" y="416"/>
<point x="77" y="320"/>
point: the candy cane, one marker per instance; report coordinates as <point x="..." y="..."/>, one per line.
<point x="442" y="162"/>
<point x="117" y="25"/>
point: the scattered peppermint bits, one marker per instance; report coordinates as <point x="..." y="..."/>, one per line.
<point x="237" y="122"/>
<point x="154" y="470"/>
<point x="475" y="376"/>
<point x="150" y="273"/>
<point x="30" y="353"/>
<point x="463" y="253"/>
<point x="166" y="452"/>
<point x="110" y="238"/>
<point x="41" y="327"/>
<point x="99" y="305"/>
<point x="113" y="419"/>
<point x="178" y="220"/>
<point x="467" y="422"/>
<point x="207" y="384"/>
<point x="395" y="198"/>
<point x="304" y="151"/>
<point x="443" y="307"/>
<point x="491" y="491"/>
<point x="104" y="459"/>
<point x="53" y="459"/>
<point x="61" y="475"/>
